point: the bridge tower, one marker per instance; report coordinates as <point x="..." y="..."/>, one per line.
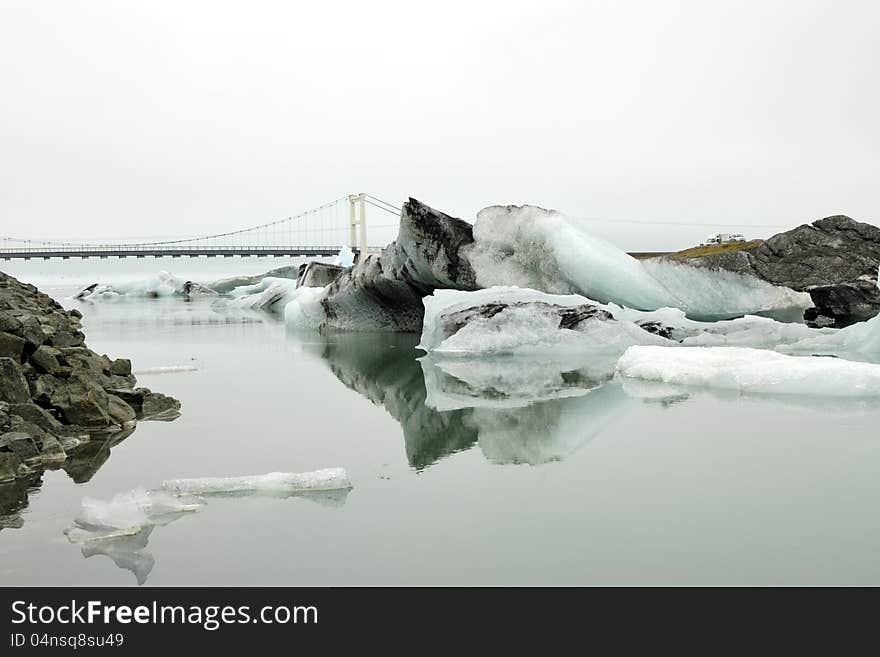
<point x="357" y="225"/>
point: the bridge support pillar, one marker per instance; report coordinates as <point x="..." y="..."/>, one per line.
<point x="357" y="225"/>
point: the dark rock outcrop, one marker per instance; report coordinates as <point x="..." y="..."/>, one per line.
<point x="835" y="260"/>
<point x="384" y="292"/>
<point x="56" y="394"/>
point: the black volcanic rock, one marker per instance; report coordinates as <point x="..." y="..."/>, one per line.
<point x="54" y="391"/>
<point x="835" y="260"/>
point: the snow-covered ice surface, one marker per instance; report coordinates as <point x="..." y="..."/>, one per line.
<point x="545" y="250"/>
<point x="751" y="371"/>
<point x="329" y="479"/>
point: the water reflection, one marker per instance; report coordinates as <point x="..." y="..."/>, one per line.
<point x="382" y="368"/>
<point x="441" y="414"/>
<point x="127" y="552"/>
<point x="81" y="465"/>
<point x="14" y="499"/>
<point x="517" y="411"/>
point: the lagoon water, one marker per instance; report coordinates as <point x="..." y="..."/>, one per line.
<point x="604" y="488"/>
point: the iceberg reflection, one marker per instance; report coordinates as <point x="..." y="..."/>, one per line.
<point x="518" y="411"/>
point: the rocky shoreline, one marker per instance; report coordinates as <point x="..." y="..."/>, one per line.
<point x="61" y="404"/>
<point x="834" y="259"/>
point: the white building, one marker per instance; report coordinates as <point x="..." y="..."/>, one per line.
<point x="723" y="238"/>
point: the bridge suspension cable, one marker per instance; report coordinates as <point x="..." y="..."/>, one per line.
<point x="322" y="230"/>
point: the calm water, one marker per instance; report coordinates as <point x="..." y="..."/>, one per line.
<point x="599" y="489"/>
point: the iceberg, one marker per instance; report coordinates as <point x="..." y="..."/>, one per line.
<point x="542" y="249"/>
<point x="751" y="371"/>
<point x="166" y="284"/>
<point x="516" y="321"/>
<point x="510" y="321"/>
<point x="163" y="284"/>
<point x="330" y="479"/>
<point x="269" y="293"/>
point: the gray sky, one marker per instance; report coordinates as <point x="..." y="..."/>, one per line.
<point x="172" y="117"/>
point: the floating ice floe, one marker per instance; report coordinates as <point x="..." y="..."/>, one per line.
<point x="751" y="371"/>
<point x="330" y="479"/>
<point x="269" y="293"/>
<point x="163" y="284"/>
<point x="582" y="333"/>
<point x="127" y="514"/>
<point x="168" y="369"/>
<point x="545" y="250"/>
<point x="166" y="284"/>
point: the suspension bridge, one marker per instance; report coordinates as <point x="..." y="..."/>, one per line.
<point x="321" y="231"/>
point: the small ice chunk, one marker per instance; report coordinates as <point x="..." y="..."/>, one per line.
<point x="127" y="514"/>
<point x="345" y="257"/>
<point x="751" y="371"/>
<point x="269" y="293"/>
<point x="169" y="369"/>
<point x="282" y="482"/>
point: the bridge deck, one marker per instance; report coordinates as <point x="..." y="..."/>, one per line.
<point x="209" y="252"/>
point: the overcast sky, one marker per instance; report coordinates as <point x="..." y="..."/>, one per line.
<point x="162" y="118"/>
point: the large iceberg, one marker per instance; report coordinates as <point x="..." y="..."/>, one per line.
<point x="751" y="371"/>
<point x="542" y="249"/>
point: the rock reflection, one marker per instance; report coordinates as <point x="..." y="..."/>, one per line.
<point x="14" y="499"/>
<point x="82" y="462"/>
